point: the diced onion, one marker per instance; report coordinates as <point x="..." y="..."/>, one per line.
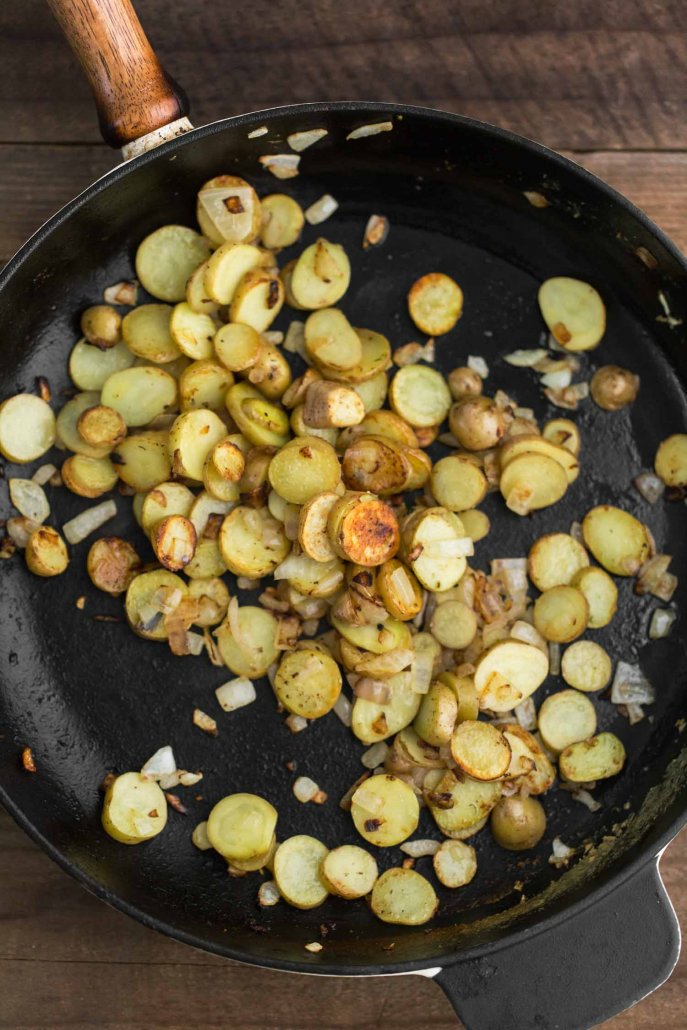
<point x="561" y="854"/>
<point x="254" y="133"/>
<point x="204" y="722"/>
<point x="78" y="528"/>
<point x="420" y="848"/>
<point x="268" y="894"/>
<point x="578" y="793"/>
<point x="315" y="947"/>
<point x="124" y="293"/>
<point x="558" y="380"/>
<point x="377" y="691"/>
<point x="421" y="671"/>
<point x="44" y="474"/>
<point x="649" y="486"/>
<point x="282" y="166"/>
<point x="376" y="231"/>
<point x="461" y="547"/>
<point x="526" y="714"/>
<point x="195" y="643"/>
<point x="634" y="713"/>
<point x="342" y="709"/>
<point x="296" y="723"/>
<point x="294" y="341"/>
<point x="630" y="686"/>
<point x="162" y="763"/>
<point x="29" y="499"/>
<point x="375" y="755"/>
<point x="525" y="358"/>
<point x="569" y="397"/>
<point x="273" y="336"/>
<point x="305" y="789"/>
<point x="554" y="659"/>
<point x="513" y="571"/>
<point x="321" y="210"/>
<point x="212" y="649"/>
<point x="662" y="620"/>
<point x="302" y="140"/>
<point x="189" y="779"/>
<point x="478" y="365"/>
<point x="235" y="694"/>
<point x="19" y="529"/>
<point x="576" y="532"/>
<point x="524" y="631"/>
<point x="370" y="130"/>
<point x="231" y="226"/>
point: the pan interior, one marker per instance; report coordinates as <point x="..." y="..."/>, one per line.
<point x="90" y="697"/>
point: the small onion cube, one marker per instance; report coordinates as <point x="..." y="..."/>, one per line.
<point x="204" y="722"/>
<point x="649" y="486"/>
<point x="342" y="709"/>
<point x="478" y="365"/>
<point x="82" y="525"/>
<point x="19" y="529"/>
<point x="554" y="659"/>
<point x="302" y="140"/>
<point x="294" y="341"/>
<point x="558" y="380"/>
<point x="561" y="853"/>
<point x="124" y="293"/>
<point x="282" y="166"/>
<point x="526" y="714"/>
<point x="255" y="133"/>
<point x="321" y="210"/>
<point x="162" y="763"/>
<point x="268" y="894"/>
<point x="376" y="231"/>
<point x="630" y="686"/>
<point x="420" y="848"/>
<point x="662" y="620"/>
<point x="29" y="499"/>
<point x="372" y="129"/>
<point x="525" y="358"/>
<point x="44" y="474"/>
<point x="461" y="547"/>
<point x="235" y="694"/>
<point x="296" y="723"/>
<point x="305" y="789"/>
<point x="189" y="779"/>
<point x="375" y="755"/>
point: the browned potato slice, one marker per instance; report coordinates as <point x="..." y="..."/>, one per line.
<point x="380" y="423"/>
<point x="595" y="759"/>
<point x="554" y="560"/>
<point x="174" y="542"/>
<point x="435" y="546"/>
<point x="254" y="649"/>
<point x="192" y="332"/>
<point x="363" y="529"/>
<point x="146" y="333"/>
<point x="349" y="871"/>
<point x="480" y="749"/>
<point x="297" y="871"/>
<point x="270" y="372"/>
<point x="437" y="715"/>
<point x="46" y="552"/>
<point x="143" y="614"/>
<point x="566" y="718"/>
<point x="457" y="804"/>
<point x="304" y="468"/>
<point x="455" y="863"/>
<point x="419" y="394"/>
<point x="518" y="823"/>
<point x="586" y="667"/>
<point x="165" y="499"/>
<point x="88" y="477"/>
<point x="671" y="460"/>
<point x="257" y="299"/>
<point x="532" y="481"/>
<point x="435" y="303"/>
<point x="204" y="384"/>
<point x="166" y="258"/>
<point x="529" y="763"/>
<point x="228" y="210"/>
<point x="213" y="599"/>
<point x="466" y="695"/>
<point x="262" y="422"/>
<point x="375" y="465"/>
<point x="139" y="394"/>
<point x="112" y="564"/>
<point x="329" y="405"/>
<point x="197" y="297"/>
<point x="372" y="722"/>
<point x="207" y="561"/>
<point x="312" y="526"/>
<point x="385" y="810"/>
<point x="101" y="325"/>
<point x="228" y="459"/>
<point x="563" y="433"/>
<point x="507" y="673"/>
<point x="601" y="593"/>
<point x="528" y="443"/>
<point x="331" y="341"/>
<point x="101" y="426"/>
<point x="227" y="267"/>
<point x="561" y="614"/>
<point x="573" y="311"/>
<point x="404" y="898"/>
<point x="191" y="438"/>
<point x="376" y="358"/>
<point x="617" y="539"/>
<point x="252" y="543"/>
<point x="143" y="459"/>
<point x="399" y="590"/>
<point x="308" y="683"/>
<point x="458" y="484"/>
<point x="282" y="221"/>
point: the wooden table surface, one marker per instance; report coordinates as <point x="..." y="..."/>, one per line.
<point x="605" y="82"/>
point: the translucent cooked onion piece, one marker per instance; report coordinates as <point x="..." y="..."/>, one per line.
<point x="300" y="141"/>
<point x="630" y="686"/>
<point x="321" y="210"/>
<point x="237" y="693"/>
<point x="29" y="499"/>
<point x="282" y="166"/>
<point x="82" y="525"/>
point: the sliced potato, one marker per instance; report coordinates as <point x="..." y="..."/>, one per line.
<point x="454" y="625"/>
<point x="459" y="803"/>
<point x="143" y="461"/>
<point x="241" y="827"/>
<point x="532" y="481"/>
<point x="376" y="358"/>
<point x="145" y="331"/>
<point x="165" y="499"/>
<point x="215" y="484"/>
<point x="434" y="545"/>
<point x="518" y="823"/>
<point x="573" y="311"/>
<point x="174" y="542"/>
<point x="112" y="564"/>
<point x="595" y="759"/>
<point x="380" y="423"/>
<point x="140" y="394"/>
<point x="404" y="898"/>
<point x="375" y="465"/>
<point x="101" y="426"/>
<point x="282" y="221"/>
<point x="561" y="614"/>
<point x="671" y="460"/>
<point x="331" y="341"/>
<point x="312" y="526"/>
<point x="419" y="394"/>
<point x="529" y="764"/>
<point x="476" y="524"/>
<point x="480" y="749"/>
<point x="349" y="871"/>
<point x="297" y="871"/>
<point x="257" y="299"/>
<point x="134" y="809"/>
<point x="372" y="392"/>
<point x="478" y="423"/>
<point x="252" y="543"/>
<point x="457" y="483"/>
<point x="435" y="303"/>
<point x="308" y="683"/>
<point x="363" y="529"/>
<point x="27" y="428"/>
<point x="262" y="422"/>
<point x="586" y="667"/>
<point x="192" y="332"/>
<point x="331" y="405"/>
<point x="227" y="267"/>
<point x="46" y="552"/>
<point x="204" y="508"/>
<point x="213" y="597"/>
<point x="617" y="539"/>
<point x="385" y="810"/>
<point x="601" y="593"/>
<point x="437" y="715"/>
<point x="67" y="426"/>
<point x="320" y="276"/>
<point x="204" y="384"/>
<point x="142" y="595"/>
<point x="271" y="372"/>
<point x="312" y="578"/>
<point x="90" y="367"/>
<point x="530" y="443"/>
<point x="101" y="325"/>
<point x="455" y="863"/>
<point x="252" y="653"/>
<point x="565" y="718"/>
<point x="299" y="428"/>
<point x="207" y="561"/>
<point x="554" y="560"/>
<point x="372" y="722"/>
<point x="304" y="468"/>
<point x="166" y="258"/>
<point x="399" y="590"/>
<point x="228" y="210"/>
<point x="197" y="297"/>
<point x="563" y="433"/>
<point x="192" y="438"/>
<point x="89" y="477"/>
<point x="507" y="673"/>
<point x="466" y="695"/>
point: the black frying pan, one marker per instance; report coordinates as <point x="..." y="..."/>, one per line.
<point x="89" y="697"/>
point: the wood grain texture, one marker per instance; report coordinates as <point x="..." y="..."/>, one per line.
<point x="571" y="73"/>
<point x="68" y="961"/>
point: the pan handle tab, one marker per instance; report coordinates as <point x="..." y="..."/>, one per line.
<point x="584" y="970"/>
<point x="139" y="105"/>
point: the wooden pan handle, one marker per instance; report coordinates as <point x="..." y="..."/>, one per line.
<point x="133" y="93"/>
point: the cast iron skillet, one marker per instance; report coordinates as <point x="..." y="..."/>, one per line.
<point x="568" y="948"/>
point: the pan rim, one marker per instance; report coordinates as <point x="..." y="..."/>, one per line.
<point x="646" y="853"/>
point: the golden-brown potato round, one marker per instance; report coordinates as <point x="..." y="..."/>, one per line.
<point x="363" y="529"/>
<point x="435" y="303"/>
<point x="320" y="276"/>
<point x="601" y="593"/>
<point x="434" y="545"/>
<point x="257" y="299"/>
<point x="144" y="591"/>
<point x="372" y="464"/>
<point x="404" y="898"/>
<point x="436" y="718"/>
<point x="532" y="481"/>
<point x="262" y="422"/>
<point x="312" y="526"/>
<point x="143" y="460"/>
<point x="457" y="804"/>
<point x="252" y="543"/>
<point x="204" y="384"/>
<point x="464" y="382"/>
<point x="256" y="650"/>
<point x="477" y="423"/>
<point x="399" y="589"/>
<point x="46" y="552"/>
<point x="561" y="614"/>
<point x="192" y="437"/>
<point x="532" y="443"/>
<point x="331" y="341"/>
<point x="613" y="388"/>
<point x="146" y="333"/>
<point x="227" y="267"/>
<point x="228" y="459"/>
<point x="112" y="563"/>
<point x="101" y="426"/>
<point x="455" y="863"/>
<point x="308" y="683"/>
<point x="518" y="823"/>
<point x="298" y="871"/>
<point x="617" y="539"/>
<point x="213" y="600"/>
<point x="349" y="871"/>
<point x="134" y="809"/>
<point x="174" y="542"/>
<point x="530" y="766"/>
<point x="507" y="673"/>
<point x="671" y="460"/>
<point x="480" y="749"/>
<point x="101" y="325"/>
<point x="270" y="373"/>
<point x="457" y="483"/>
<point x="555" y="559"/>
<point x="88" y="477"/>
<point x="303" y="468"/>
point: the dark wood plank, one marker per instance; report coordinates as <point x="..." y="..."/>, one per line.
<point x="68" y="961"/>
<point x="35" y="181"/>
<point x="579" y="74"/>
